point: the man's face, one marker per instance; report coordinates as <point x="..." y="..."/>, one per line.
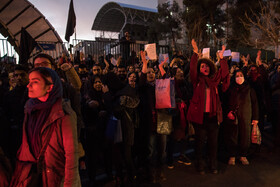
<point x="121" y="73"/>
<point x="82" y="70"/>
<point x="96" y="70"/>
<point x="42" y="62"/>
<point x="21" y="77"/>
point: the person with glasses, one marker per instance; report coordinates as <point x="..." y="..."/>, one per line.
<point x="66" y="70"/>
<point x="70" y="92"/>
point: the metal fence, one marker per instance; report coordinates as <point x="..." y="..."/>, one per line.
<point x="113" y="47"/>
<point x="97" y="48"/>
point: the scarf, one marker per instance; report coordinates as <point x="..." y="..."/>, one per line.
<point x="38" y="112"/>
<point x="212" y="85"/>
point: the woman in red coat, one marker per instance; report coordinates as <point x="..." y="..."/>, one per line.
<point x="205" y="111"/>
<point x="49" y="148"/>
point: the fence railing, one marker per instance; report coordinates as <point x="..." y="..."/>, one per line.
<point x="92" y="48"/>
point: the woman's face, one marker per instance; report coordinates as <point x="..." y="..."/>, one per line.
<point x="132" y="80"/>
<point x="204" y="69"/>
<point x="239" y="78"/>
<point x="151" y="75"/>
<point x="97" y="84"/>
<point x="37" y="87"/>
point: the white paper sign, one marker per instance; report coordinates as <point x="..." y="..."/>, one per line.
<point x="206" y="53"/>
<point x="113" y="61"/>
<point x="151" y="51"/>
<point x="162" y="57"/>
<point x="235" y="56"/>
<point x="227" y="53"/>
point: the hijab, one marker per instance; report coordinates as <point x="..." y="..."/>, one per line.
<point x="38" y="111"/>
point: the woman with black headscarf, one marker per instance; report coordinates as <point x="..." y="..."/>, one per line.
<point x="49" y="148"/>
<point x="241" y="111"/>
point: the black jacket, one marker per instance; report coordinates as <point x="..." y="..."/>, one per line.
<point x="243" y="100"/>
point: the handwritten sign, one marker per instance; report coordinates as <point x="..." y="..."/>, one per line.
<point x="206" y="53"/>
<point x="227" y="53"/>
<point x="113" y="61"/>
<point x="235" y="56"/>
<point x="151" y="51"/>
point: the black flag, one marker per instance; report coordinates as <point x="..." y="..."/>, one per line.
<point x="71" y="22"/>
<point x="27" y="44"/>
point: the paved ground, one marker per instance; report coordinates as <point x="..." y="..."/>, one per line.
<point x="263" y="171"/>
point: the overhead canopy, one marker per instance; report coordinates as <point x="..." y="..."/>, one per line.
<point x="114" y="16"/>
<point x="15" y="14"/>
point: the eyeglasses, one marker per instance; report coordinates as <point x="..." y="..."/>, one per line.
<point x="42" y="64"/>
<point x="95" y="82"/>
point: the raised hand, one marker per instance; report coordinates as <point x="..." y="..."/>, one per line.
<point x="143" y="57"/>
<point x="221" y="53"/>
<point x="258" y="59"/>
<point x="244" y="60"/>
<point x="194" y="46"/>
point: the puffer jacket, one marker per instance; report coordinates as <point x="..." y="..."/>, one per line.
<point x="60" y="167"/>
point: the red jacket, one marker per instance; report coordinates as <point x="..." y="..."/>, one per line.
<point x="197" y="103"/>
<point x="61" y="156"/>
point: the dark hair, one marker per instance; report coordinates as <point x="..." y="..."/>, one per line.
<point x="121" y="66"/>
<point x="82" y="66"/>
<point x="210" y="63"/>
<point x="92" y="79"/>
<point x="96" y="65"/>
<point x="44" y="55"/>
<point x="236" y="71"/>
<point x="44" y="73"/>
<point x="136" y="74"/>
<point x="21" y="68"/>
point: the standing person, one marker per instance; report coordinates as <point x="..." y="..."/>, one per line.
<point x="153" y="144"/>
<point x="95" y="118"/>
<point x="49" y="144"/>
<point x="183" y="94"/>
<point x="242" y="111"/>
<point x="205" y="111"/>
<point x="13" y="106"/>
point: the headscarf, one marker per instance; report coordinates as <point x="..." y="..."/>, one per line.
<point x="38" y="111"/>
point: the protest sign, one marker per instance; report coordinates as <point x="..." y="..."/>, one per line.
<point x="206" y="53"/>
<point x="151" y="51"/>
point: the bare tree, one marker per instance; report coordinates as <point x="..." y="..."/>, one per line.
<point x="264" y="26"/>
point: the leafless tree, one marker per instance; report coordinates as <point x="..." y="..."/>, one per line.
<point x="264" y="26"/>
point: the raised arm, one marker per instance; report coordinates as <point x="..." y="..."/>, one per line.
<point x="193" y="64"/>
<point x="144" y="61"/>
<point x="161" y="69"/>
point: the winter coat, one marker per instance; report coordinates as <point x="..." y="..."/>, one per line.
<point x="147" y="104"/>
<point x="242" y="100"/>
<point x="60" y="163"/>
<point x="197" y="103"/>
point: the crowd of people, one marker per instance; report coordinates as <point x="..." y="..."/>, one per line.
<point x="64" y="116"/>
